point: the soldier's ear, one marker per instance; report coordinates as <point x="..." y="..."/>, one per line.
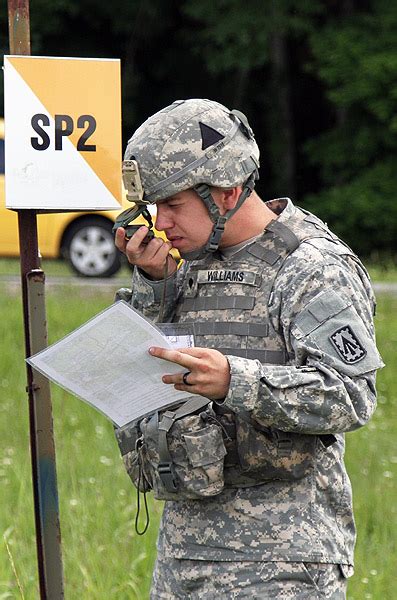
<point x="227" y="198"/>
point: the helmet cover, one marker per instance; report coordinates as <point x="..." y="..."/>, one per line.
<point x="192" y="142"/>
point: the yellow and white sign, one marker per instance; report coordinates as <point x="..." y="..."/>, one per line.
<point x="63" y="133"/>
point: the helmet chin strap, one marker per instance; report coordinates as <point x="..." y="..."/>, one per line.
<point x="212" y="245"/>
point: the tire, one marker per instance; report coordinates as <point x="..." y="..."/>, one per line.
<point x="89" y="248"/>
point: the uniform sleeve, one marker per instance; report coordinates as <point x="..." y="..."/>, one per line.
<point x="147" y="295"/>
<point x="325" y="317"/>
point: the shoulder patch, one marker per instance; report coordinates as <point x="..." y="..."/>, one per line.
<point x="347" y="345"/>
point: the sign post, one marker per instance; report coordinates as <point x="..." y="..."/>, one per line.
<point x="45" y="494"/>
<point x="63" y="152"/>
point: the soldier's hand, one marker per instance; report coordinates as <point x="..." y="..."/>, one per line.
<point x="208" y="371"/>
<point x="150" y="256"/>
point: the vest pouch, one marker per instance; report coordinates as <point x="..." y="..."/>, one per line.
<point x="133" y="452"/>
<point x="178" y="454"/>
<point x="268" y="453"/>
<point x="198" y="451"/>
<point x="135" y="464"/>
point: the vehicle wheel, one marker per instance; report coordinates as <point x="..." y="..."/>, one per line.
<point x="90" y="250"/>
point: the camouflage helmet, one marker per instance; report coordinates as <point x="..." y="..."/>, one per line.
<point x="193" y="142"/>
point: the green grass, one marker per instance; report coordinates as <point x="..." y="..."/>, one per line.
<point x="371" y="460"/>
<point x="56" y="268"/>
<point x="103" y="557"/>
<point x="385" y="272"/>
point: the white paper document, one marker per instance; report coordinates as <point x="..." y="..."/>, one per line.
<point x="106" y="363"/>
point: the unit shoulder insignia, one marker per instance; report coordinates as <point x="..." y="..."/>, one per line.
<point x="347" y="345"/>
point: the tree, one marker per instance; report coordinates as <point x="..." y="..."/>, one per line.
<point x="317" y="81"/>
<point x="251" y="42"/>
<point x="356" y="59"/>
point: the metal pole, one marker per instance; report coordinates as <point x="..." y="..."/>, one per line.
<point x="45" y="495"/>
<point x="44" y="472"/>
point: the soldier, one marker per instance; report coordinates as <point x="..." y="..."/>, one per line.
<point x="281" y="313"/>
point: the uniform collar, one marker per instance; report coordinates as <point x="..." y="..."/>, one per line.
<point x="226" y="253"/>
<point x="283" y="209"/>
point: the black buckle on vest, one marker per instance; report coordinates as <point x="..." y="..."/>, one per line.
<point x="327" y="439"/>
<point x="167" y="421"/>
<point x="284" y="447"/>
<point x="167" y="476"/>
<point x="284" y="443"/>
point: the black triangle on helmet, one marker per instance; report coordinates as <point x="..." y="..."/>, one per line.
<point x="209" y="136"/>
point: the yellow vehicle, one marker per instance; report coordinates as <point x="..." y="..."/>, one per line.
<point x="84" y="239"/>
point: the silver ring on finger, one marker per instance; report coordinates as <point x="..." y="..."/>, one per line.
<point x="184" y="378"/>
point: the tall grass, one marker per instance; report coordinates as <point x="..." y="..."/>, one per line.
<point x="103" y="557"/>
<point x="371" y="459"/>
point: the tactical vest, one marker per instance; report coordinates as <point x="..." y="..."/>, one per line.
<point x="197" y="449"/>
<point x="225" y="303"/>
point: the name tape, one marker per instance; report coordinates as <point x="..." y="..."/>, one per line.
<point x="227" y="276"/>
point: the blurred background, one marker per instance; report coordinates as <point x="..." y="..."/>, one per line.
<point x="317" y="80"/>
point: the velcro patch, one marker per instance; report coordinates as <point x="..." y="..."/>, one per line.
<point x="347" y="345"/>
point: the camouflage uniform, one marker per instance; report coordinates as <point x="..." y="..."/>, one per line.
<point x="292" y="311"/>
<point x="316" y="382"/>
<point x="196" y="580"/>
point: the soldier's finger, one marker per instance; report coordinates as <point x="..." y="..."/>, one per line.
<point x="157" y="249"/>
<point x="135" y="242"/>
<point x="194" y="352"/>
<point x="119" y="240"/>
<point x="174" y="356"/>
<point x="185" y="378"/>
<point x="153" y="248"/>
<point x="162" y="251"/>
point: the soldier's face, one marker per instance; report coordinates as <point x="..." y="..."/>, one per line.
<point x="185" y="221"/>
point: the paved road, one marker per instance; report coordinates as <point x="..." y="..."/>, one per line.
<point x="113" y="283"/>
<point x="390" y="288"/>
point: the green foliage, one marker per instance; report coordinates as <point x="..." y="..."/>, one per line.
<point x="236" y="35"/>
<point x="362" y="211"/>
<point x="356" y="59"/>
<point x="317" y="80"/>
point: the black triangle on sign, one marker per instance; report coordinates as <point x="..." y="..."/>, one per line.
<point x="209" y="136"/>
